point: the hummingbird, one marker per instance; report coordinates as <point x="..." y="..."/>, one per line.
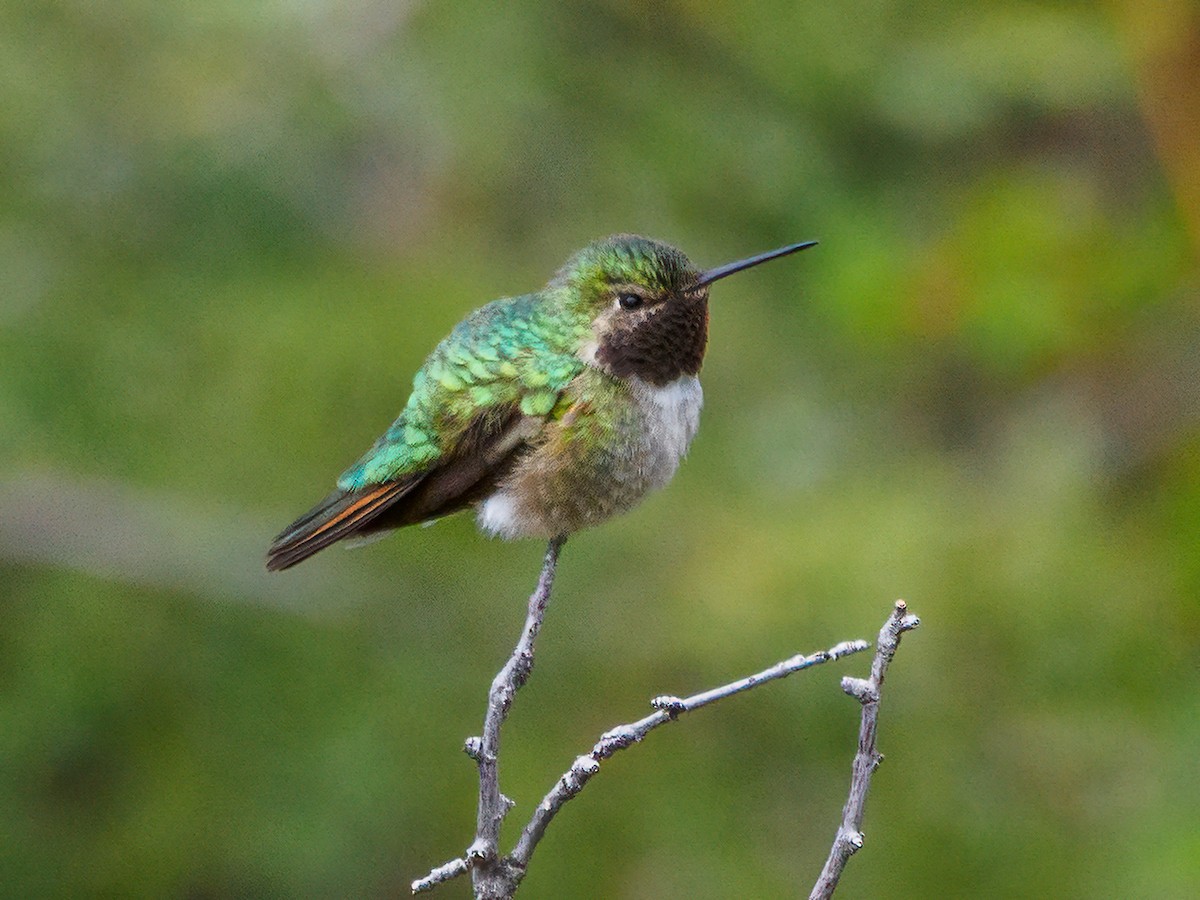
<point x="548" y="413"/>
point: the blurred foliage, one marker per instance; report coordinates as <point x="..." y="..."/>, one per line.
<point x="230" y="232"/>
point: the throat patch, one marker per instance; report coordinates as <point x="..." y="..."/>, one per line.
<point x="668" y="343"/>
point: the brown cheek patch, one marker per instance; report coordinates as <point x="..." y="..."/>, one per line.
<point x="661" y="348"/>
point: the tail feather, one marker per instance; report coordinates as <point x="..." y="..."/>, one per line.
<point x="339" y="515"/>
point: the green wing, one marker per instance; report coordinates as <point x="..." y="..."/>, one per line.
<point x="483" y="392"/>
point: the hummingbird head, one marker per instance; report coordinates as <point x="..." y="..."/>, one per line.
<point x="649" y="317"/>
<point x="647" y="304"/>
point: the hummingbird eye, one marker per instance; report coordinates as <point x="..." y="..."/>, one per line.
<point x="629" y="301"/>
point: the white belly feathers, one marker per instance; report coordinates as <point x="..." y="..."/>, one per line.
<point x="672" y="415"/>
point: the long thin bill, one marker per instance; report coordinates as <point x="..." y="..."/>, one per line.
<point x="729" y="268"/>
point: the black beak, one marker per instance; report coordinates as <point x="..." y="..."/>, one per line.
<point x="729" y="268"/>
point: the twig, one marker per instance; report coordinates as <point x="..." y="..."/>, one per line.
<point x="668" y="710"/>
<point x="490" y="875"/>
<point x="495" y="878"/>
<point x="446" y="872"/>
<point x="849" y="838"/>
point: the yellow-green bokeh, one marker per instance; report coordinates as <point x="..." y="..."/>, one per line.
<point x="230" y="232"/>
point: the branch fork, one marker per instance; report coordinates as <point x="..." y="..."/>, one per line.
<point x="497" y="878"/>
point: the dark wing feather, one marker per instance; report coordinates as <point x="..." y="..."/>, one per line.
<point x="484" y="453"/>
<point x="339" y="515"/>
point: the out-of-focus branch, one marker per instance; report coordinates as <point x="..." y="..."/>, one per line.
<point x="165" y="541"/>
<point x="849" y="838"/>
<point x="1163" y="43"/>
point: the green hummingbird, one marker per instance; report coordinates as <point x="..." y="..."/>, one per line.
<point x="548" y="413"/>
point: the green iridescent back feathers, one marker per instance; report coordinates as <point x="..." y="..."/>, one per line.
<point x="510" y="351"/>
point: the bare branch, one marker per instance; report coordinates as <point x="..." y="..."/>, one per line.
<point x="486" y="868"/>
<point x="446" y="872"/>
<point x="492" y="876"/>
<point x="668" y="709"/>
<point x="496" y="877"/>
<point x="849" y="838"/>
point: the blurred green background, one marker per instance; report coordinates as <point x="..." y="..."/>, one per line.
<point x="229" y="233"/>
